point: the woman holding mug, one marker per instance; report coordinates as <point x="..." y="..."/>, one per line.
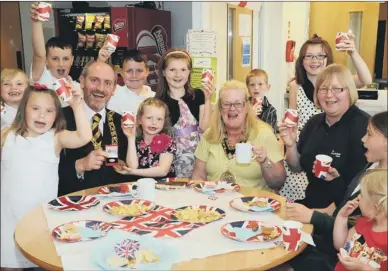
<point x="336" y="133"/>
<point x="232" y="124"/>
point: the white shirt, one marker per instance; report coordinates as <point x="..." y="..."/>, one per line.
<point x="126" y="100"/>
<point x="48" y="80"/>
<point x="373" y="166"/>
<point x="9" y="116"/>
<point x="91" y="113"/>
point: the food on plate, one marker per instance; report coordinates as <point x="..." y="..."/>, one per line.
<point x="255" y="226"/>
<point x="197" y="215"/>
<point x="129" y="210"/>
<point x="70" y="232"/>
<point x="258" y="203"/>
<point x="142" y="256"/>
<point x="269" y="232"/>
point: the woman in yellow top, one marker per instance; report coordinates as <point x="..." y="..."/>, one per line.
<point x="234" y="121"/>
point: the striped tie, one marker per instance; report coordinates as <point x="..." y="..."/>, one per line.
<point x="97" y="136"/>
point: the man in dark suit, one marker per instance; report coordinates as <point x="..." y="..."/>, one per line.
<point x="86" y="167"/>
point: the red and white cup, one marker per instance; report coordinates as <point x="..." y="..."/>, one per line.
<point x="207" y="75"/>
<point x="63" y="90"/>
<point x="128" y="119"/>
<point x="339" y="38"/>
<point x="111" y="42"/>
<point x="258" y="101"/>
<point x="44" y="10"/>
<point x="291" y="117"/>
<point x="292" y="234"/>
<point x="322" y="165"/>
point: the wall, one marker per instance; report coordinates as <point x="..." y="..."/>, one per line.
<point x="181" y="21"/>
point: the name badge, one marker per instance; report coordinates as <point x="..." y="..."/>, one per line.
<point x="113" y="155"/>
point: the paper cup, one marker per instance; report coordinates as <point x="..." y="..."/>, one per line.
<point x="207" y="75"/>
<point x="111" y="42"/>
<point x="292" y="234"/>
<point x="44" y="10"/>
<point x="322" y="165"/>
<point x="291" y="117"/>
<point x="128" y="119"/>
<point x="338" y="40"/>
<point x="146" y="188"/>
<point x="64" y="92"/>
<point x="244" y="154"/>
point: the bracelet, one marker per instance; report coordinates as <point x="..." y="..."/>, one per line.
<point x="266" y="163"/>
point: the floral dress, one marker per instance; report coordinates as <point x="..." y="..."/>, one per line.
<point x="187" y="137"/>
<point x="296" y="183"/>
<point x="149" y="155"/>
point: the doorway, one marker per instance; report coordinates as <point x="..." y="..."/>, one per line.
<point x="11" y="36"/>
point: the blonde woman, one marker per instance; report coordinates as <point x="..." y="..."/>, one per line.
<point x="336" y="132"/>
<point x="234" y="121"/>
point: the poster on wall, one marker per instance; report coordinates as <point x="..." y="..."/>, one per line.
<point x="202" y="43"/>
<point x="200" y="64"/>
<point x="246" y="51"/>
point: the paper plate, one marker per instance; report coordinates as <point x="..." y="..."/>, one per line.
<point x="251" y="231"/>
<point x="216" y="187"/>
<point x="134" y="207"/>
<point x="166" y="254"/>
<point x="121" y="190"/>
<point x="73" y="203"/>
<point x="265" y="204"/>
<point x="79" y="231"/>
<point x="192" y="216"/>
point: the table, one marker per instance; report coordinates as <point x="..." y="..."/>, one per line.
<point x="35" y="242"/>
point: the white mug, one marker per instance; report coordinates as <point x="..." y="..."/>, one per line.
<point x="244" y="153"/>
<point x="146" y="189"/>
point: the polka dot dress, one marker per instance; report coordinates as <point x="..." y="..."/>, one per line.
<point x="295" y="186"/>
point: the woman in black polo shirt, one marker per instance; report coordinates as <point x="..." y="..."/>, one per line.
<point x="337" y="133"/>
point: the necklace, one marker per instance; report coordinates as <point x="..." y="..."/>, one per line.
<point x="230" y="150"/>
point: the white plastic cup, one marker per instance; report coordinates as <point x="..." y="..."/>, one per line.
<point x="146" y="189"/>
<point x="244" y="153"/>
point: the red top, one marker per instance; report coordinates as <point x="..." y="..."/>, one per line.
<point x="368" y="246"/>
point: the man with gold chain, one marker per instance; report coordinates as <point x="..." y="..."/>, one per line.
<point x="86" y="167"/>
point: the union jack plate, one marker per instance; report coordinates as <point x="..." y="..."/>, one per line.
<point x="73" y="203"/>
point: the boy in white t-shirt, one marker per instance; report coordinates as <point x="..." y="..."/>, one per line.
<point x="52" y="60"/>
<point x="134" y="72"/>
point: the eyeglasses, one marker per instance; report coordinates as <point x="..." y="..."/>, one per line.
<point x="227" y="105"/>
<point x="335" y="90"/>
<point x="311" y="57"/>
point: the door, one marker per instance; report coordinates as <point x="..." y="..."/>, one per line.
<point x="328" y="18"/>
<point x="239" y="42"/>
<point x="11" y="36"/>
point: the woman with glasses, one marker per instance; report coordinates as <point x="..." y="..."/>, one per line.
<point x="234" y="121"/>
<point x="336" y="132"/>
<point x="315" y="54"/>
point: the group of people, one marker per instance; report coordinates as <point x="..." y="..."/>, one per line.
<point x="53" y="147"/>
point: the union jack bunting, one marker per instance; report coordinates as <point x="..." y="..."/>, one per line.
<point x="127" y="248"/>
<point x="157" y="222"/>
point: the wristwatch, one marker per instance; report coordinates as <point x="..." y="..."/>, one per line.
<point x="266" y="163"/>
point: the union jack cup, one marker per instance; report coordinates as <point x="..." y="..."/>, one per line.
<point x="322" y="165"/>
<point x="43" y="11"/>
<point x="291" y="117"/>
<point x="128" y="119"/>
<point x="207" y="75"/>
<point x="111" y="42"/>
<point x="257" y="101"/>
<point x="292" y="235"/>
<point x="62" y="89"/>
<point x="339" y="38"/>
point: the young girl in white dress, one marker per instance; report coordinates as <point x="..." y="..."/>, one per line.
<point x="30" y="151"/>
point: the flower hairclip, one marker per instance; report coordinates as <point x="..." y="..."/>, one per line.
<point x="40" y="86"/>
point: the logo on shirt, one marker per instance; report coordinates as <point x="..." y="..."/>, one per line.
<point x="335" y="154"/>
